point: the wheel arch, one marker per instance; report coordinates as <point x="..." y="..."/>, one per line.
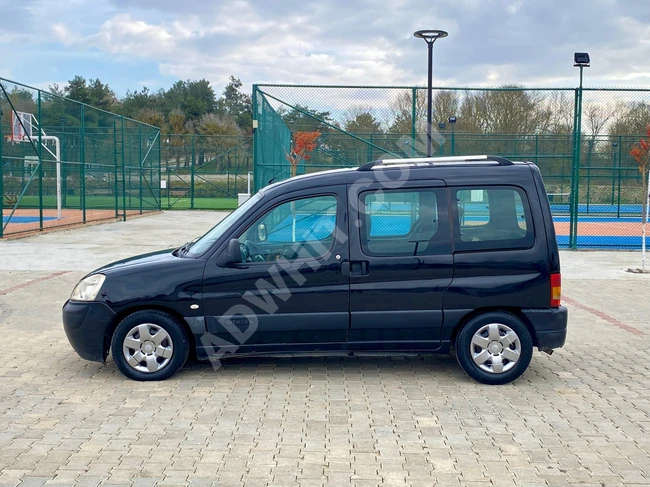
<point x="516" y="312"/>
<point x="110" y="330"/>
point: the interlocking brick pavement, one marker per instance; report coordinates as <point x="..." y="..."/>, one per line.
<point x="578" y="417"/>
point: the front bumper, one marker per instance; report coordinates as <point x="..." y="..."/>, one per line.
<point x="550" y="326"/>
<point x="85" y="324"/>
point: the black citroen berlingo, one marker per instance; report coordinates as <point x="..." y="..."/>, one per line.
<point x="407" y="255"/>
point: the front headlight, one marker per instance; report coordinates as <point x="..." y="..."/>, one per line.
<point x="88" y="288"/>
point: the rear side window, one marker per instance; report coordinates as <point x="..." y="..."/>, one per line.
<point x="491" y="218"/>
<point x="404" y="222"/>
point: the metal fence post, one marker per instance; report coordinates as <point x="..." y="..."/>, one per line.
<point x="589" y="152"/>
<point x="576" y="204"/>
<point x="115" y="169"/>
<point x="141" y="164"/>
<point x="82" y="160"/>
<point x="575" y="170"/>
<point x="414" y="97"/>
<point x="453" y="139"/>
<point x="123" y="171"/>
<point x="620" y="149"/>
<point x="159" y="169"/>
<point x="256" y="161"/>
<point x="613" y="173"/>
<point x="192" y="162"/>
<point x="40" y="163"/>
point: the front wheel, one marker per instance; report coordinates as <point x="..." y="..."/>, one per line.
<point x="149" y="345"/>
<point x="494" y="348"/>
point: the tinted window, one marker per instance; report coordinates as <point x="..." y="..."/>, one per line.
<point x="293" y="229"/>
<point x="403" y="222"/>
<point x="493" y="218"/>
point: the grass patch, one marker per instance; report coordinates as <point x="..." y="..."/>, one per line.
<point x="132" y="203"/>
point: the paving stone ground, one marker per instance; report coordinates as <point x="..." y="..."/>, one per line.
<point x="580" y="417"/>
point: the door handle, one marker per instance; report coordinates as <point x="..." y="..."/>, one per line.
<point x="345" y="268"/>
<point x="359" y="268"/>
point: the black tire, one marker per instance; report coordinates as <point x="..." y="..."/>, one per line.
<point x="176" y="335"/>
<point x="465" y="350"/>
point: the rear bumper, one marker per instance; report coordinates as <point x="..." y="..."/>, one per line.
<point x="85" y="325"/>
<point x="550" y="326"/>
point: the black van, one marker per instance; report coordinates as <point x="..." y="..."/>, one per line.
<point x="447" y="255"/>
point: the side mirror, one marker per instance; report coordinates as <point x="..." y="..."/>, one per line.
<point x="261" y="232"/>
<point x="230" y="256"/>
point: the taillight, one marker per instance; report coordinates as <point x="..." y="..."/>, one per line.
<point x="556" y="290"/>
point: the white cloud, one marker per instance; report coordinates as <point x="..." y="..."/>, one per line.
<point x="514" y="7"/>
<point x="341" y="42"/>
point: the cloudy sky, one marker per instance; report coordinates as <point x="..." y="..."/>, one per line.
<point x="133" y="43"/>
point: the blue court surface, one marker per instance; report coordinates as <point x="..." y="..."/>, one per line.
<point x="25" y="219"/>
<point x="604" y="242"/>
<point x="598" y="208"/>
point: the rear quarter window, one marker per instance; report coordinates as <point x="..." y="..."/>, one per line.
<point x="492" y="218"/>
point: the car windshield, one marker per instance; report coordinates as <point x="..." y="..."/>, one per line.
<point x="206" y="241"/>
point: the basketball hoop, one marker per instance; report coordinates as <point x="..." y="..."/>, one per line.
<point x="21" y="126"/>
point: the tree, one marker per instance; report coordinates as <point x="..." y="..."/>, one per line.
<point x="92" y="92"/>
<point x="640" y="152"/>
<point x="193" y="98"/>
<point x="224" y="132"/>
<point x="177" y="128"/>
<point x="559" y="107"/>
<point x="233" y="103"/>
<point x="301" y="148"/>
<point x="631" y="120"/>
<point x="150" y="116"/>
<point x="77" y="89"/>
<point x="445" y="104"/>
<point x="361" y="121"/>
<point x="511" y="110"/>
<point x="402" y="112"/>
<point x="303" y="119"/>
<point x="135" y="101"/>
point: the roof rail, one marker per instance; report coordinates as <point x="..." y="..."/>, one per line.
<point x="502" y="161"/>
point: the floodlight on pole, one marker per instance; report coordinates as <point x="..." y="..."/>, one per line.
<point x="580" y="60"/>
<point x="430" y="37"/>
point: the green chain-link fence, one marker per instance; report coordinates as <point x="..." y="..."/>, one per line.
<point x="63" y="162"/>
<point x="205" y="171"/>
<point x="594" y="185"/>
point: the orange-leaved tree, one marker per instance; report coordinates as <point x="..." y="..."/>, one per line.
<point x="640" y="152"/>
<point x="301" y="147"/>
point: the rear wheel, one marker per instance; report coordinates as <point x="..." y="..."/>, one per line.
<point x="149" y="345"/>
<point x="494" y="348"/>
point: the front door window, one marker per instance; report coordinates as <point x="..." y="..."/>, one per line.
<point x="300" y="228"/>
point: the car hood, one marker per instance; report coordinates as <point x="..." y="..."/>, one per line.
<point x="151" y="258"/>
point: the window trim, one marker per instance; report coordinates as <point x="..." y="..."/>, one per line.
<point x="527" y="242"/>
<point x="237" y="235"/>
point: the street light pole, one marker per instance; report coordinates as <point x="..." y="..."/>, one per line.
<point x="430" y="37"/>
